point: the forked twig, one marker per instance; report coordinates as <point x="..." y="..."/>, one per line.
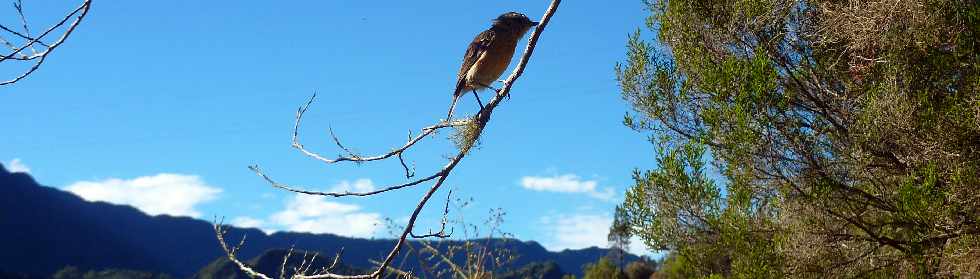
<point x="442" y="227"/>
<point x="16" y="53"/>
<point x="232" y="253"/>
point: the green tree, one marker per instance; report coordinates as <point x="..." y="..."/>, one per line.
<point x="674" y="267"/>
<point x="603" y="269"/>
<point x="619" y="237"/>
<point x="809" y="138"/>
<point x="640" y="269"/>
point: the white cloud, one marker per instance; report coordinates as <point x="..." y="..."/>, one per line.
<point x="567" y="183"/>
<point x="576" y="231"/>
<point x="579" y="231"/>
<point x="16" y="165"/>
<point x="247" y="222"/>
<point x="165" y="193"/>
<point x="314" y="214"/>
<point x="360" y="185"/>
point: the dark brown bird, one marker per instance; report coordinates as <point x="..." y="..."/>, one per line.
<point x="489" y="55"/>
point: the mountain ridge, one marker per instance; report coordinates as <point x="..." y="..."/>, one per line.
<point x="45" y="229"/>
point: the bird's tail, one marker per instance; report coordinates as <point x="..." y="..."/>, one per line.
<point x="460" y="85"/>
<point x="452" y="106"/>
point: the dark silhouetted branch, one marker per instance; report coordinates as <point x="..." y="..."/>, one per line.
<point x="38" y="56"/>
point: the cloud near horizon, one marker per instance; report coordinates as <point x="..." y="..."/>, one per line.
<point x="576" y="231"/>
<point x="315" y="214"/>
<point x="567" y="183"/>
<point x="579" y="231"/>
<point x="16" y="165"/>
<point x="164" y="193"/>
<point x="247" y="222"/>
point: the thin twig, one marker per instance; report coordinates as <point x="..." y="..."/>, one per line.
<point x="409" y="173"/>
<point x="19" y="6"/>
<point x="81" y="12"/>
<point x="13" y="47"/>
<point x="230" y="252"/>
<point x="442" y="228"/>
<point x="22" y="36"/>
<point x="336" y="259"/>
<point x="282" y="268"/>
<point x="352" y="156"/>
<point x="258" y="171"/>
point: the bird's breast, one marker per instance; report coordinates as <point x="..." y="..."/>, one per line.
<point x="492" y="63"/>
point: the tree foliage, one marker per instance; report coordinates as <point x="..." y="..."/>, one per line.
<point x="603" y="269"/>
<point x="809" y="138"/>
<point x="641" y="269"/>
<point x="619" y="237"/>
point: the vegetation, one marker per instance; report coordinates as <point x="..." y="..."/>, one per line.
<point x="71" y="272"/>
<point x="641" y="269"/>
<point x="808" y="138"/>
<point x="619" y="237"/>
<point x="603" y="269"/>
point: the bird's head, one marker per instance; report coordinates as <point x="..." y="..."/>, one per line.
<point x="514" y="21"/>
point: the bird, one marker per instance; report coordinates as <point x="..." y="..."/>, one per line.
<point x="489" y="55"/>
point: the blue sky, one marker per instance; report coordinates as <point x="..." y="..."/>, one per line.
<point x="162" y="105"/>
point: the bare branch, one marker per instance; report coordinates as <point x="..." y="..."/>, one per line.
<point x="255" y="168"/>
<point x="336" y="140"/>
<point x="282" y="268"/>
<point x="408" y="173"/>
<point x="352" y="156"/>
<point x="230" y="252"/>
<point x="336" y="259"/>
<point x="19" y="6"/>
<point x="304" y="267"/>
<point x="404" y="274"/>
<point x="79" y="13"/>
<point x="11" y="46"/>
<point x="482" y="118"/>
<point x="22" y="36"/>
<point x="445" y="219"/>
<point x="474" y="126"/>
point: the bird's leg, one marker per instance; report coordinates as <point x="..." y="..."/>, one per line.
<point x="478" y="99"/>
<point x="491" y="87"/>
<point x="498" y="90"/>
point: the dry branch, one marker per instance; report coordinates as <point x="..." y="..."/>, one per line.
<point x="32" y="43"/>
<point x="475" y="126"/>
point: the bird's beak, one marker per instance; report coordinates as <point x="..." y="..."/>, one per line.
<point x="535" y="23"/>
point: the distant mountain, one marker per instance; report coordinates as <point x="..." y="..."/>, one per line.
<point x="44" y="229"/>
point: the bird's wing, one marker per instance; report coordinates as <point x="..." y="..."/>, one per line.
<point x="479" y="45"/>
